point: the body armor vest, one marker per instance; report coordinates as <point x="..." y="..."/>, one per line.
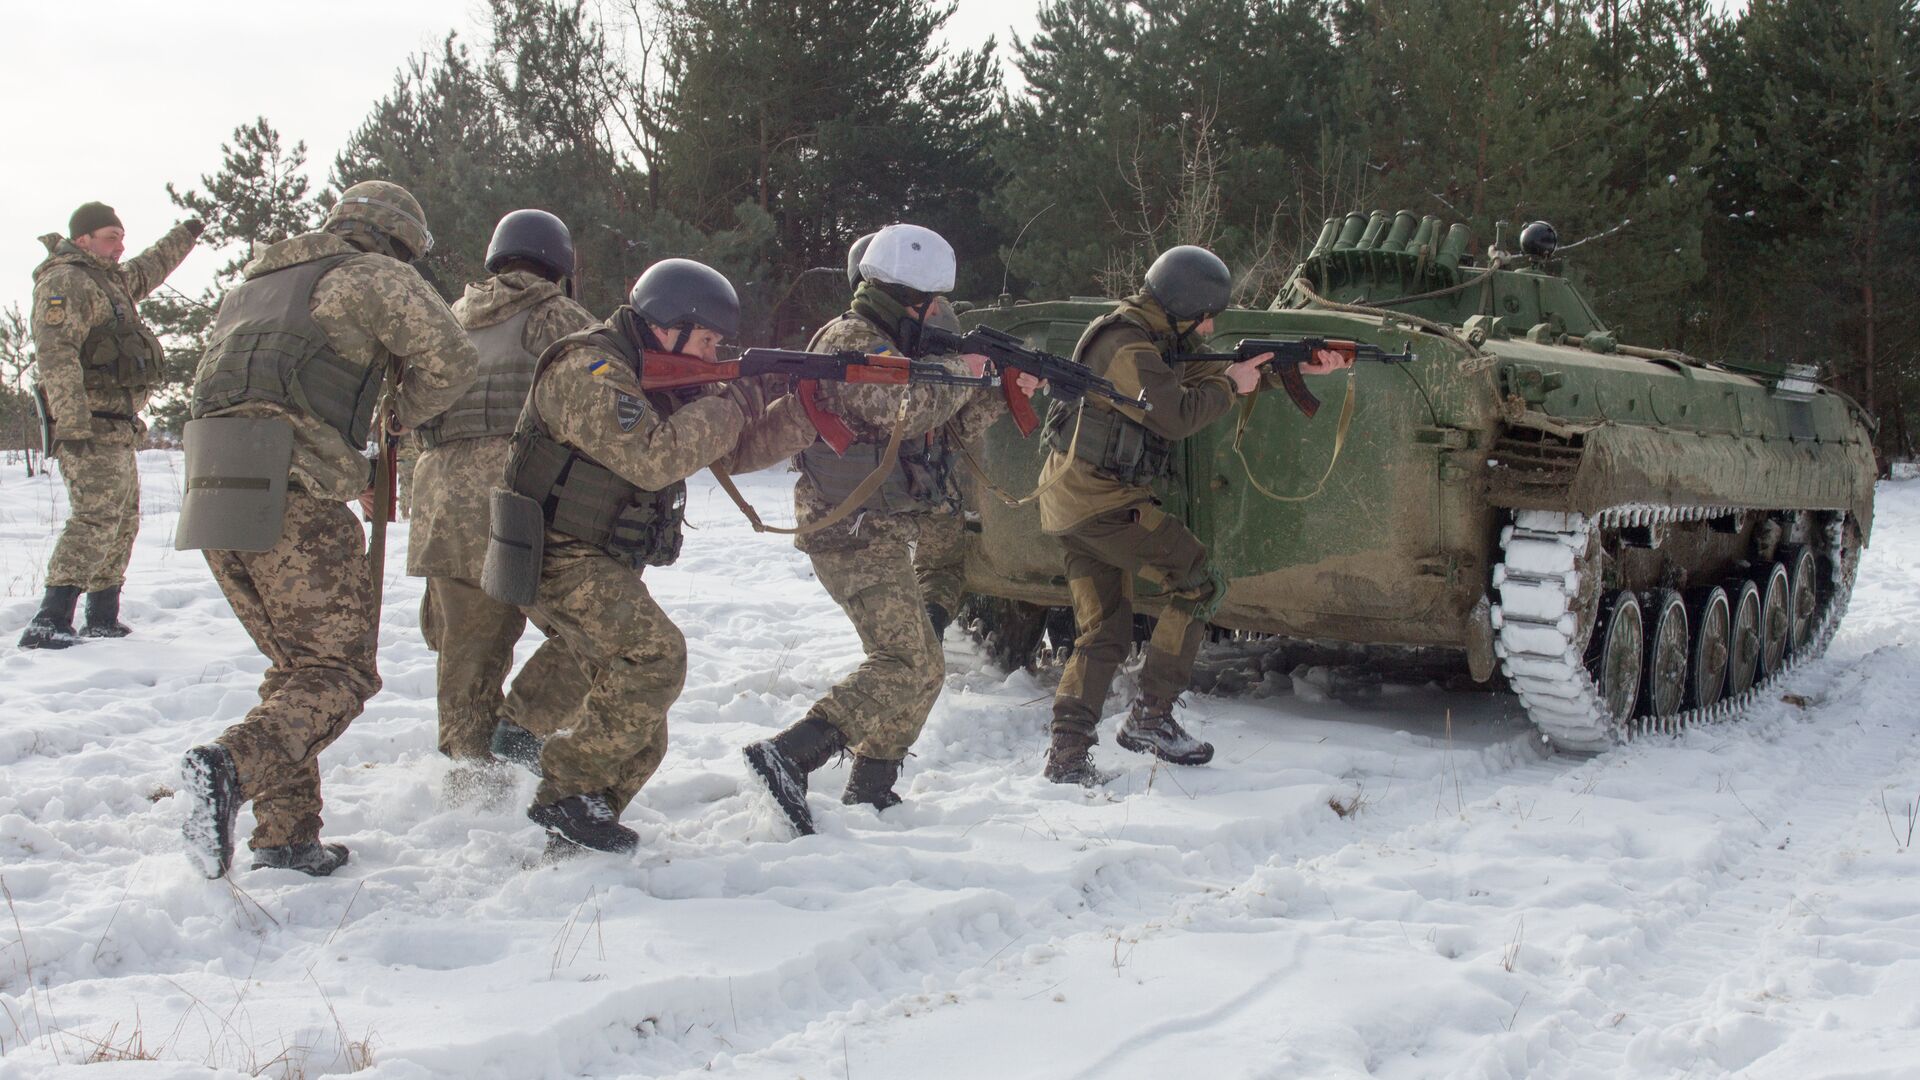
<point x="121" y="354"/>
<point x="922" y="478"/>
<point x="584" y="499"/>
<point x="491" y="406"/>
<point x="266" y="346"/>
<point x="1116" y="446"/>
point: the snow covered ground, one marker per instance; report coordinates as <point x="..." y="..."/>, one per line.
<point x="1353" y="888"/>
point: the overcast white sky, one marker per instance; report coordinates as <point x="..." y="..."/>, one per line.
<point x="110" y="99"/>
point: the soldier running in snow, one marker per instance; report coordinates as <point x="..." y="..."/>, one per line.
<point x="597" y="478"/>
<point x="866" y="560"/>
<point x="512" y="317"/>
<point x="283" y="404"/>
<point x="1100" y="503"/>
<point x="98" y="365"/>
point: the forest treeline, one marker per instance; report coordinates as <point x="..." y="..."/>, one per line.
<point x="1738" y="184"/>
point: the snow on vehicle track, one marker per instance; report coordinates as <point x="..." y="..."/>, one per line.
<point x="1402" y="885"/>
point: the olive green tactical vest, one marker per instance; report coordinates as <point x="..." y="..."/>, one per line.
<point x="122" y="353"/>
<point x="266" y="346"/>
<point x="1113" y="444"/>
<point x="491" y="406"/>
<point x="584" y="499"/>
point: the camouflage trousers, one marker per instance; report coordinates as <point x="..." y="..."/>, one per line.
<point x="308" y="604"/>
<point x="472" y="636"/>
<point x="882" y="705"/>
<point x="1103" y="555"/>
<point x="103" y="516"/>
<point x="611" y="665"/>
<point x="940" y="560"/>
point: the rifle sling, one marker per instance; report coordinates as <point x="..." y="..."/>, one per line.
<point x="1339" y="442"/>
<point x="1016" y="502"/>
<point x="889" y="461"/>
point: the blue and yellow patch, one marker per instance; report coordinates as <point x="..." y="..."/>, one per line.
<point x="598" y="367"/>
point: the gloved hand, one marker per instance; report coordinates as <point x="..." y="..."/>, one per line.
<point x="194" y="227"/>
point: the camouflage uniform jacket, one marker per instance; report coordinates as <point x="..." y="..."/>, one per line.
<point x="590" y="399"/>
<point x="870" y="411"/>
<point x="452" y="481"/>
<point x="372" y="308"/>
<point x="1183" y="401"/>
<point x="74" y="292"/>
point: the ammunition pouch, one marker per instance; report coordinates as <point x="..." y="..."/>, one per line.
<point x="588" y="501"/>
<point x="237" y="468"/>
<point x="121" y="354"/>
<point x="516" y="543"/>
<point x="922" y="478"/>
<point x="1113" y="446"/>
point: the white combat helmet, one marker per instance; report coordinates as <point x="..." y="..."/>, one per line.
<point x="910" y="255"/>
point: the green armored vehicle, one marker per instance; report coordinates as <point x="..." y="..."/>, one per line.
<point x="1633" y="539"/>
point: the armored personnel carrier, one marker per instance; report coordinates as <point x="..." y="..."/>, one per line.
<point x="1632" y="539"/>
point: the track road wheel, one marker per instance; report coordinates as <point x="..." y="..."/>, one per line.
<point x="1620" y="654"/>
<point x="1712" y="617"/>
<point x="1743" y="666"/>
<point x="1803" y="597"/>
<point x="1776" y="619"/>
<point x="1668" y="646"/>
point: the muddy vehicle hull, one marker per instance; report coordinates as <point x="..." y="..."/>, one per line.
<point x="1661" y="477"/>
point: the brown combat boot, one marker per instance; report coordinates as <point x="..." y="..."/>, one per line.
<point x="1069" y="758"/>
<point x="1151" y="729"/>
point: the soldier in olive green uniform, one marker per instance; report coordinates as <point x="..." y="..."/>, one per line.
<point x="1100" y="504"/>
<point x="512" y="317"/>
<point x="97" y="366"/>
<point x="301" y="348"/>
<point x="866" y="560"/>
<point x="603" y="464"/>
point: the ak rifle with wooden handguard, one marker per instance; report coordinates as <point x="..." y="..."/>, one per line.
<point x="675" y="371"/>
<point x="1289" y="355"/>
<point x="1066" y="379"/>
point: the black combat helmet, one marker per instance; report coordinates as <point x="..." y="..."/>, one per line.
<point x="859" y="248"/>
<point x="1190" y="282"/>
<point x="681" y="292"/>
<point x="533" y="235"/>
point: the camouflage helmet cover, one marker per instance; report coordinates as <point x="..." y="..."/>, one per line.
<point x="387" y="208"/>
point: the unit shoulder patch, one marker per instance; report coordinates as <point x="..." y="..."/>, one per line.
<point x="628" y="409"/>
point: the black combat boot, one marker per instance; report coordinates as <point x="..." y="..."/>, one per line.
<point x="871" y="782"/>
<point x="1151" y="729"/>
<point x="783" y="762"/>
<point x="586" y="820"/>
<point x="940" y="618"/>
<point x="212" y="786"/>
<point x="312" y="859"/>
<point x="1070" y="759"/>
<point x="513" y="743"/>
<point x="103" y="615"/>
<point x="52" y="627"/>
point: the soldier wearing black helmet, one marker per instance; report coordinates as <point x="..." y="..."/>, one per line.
<point x="601" y="466"/>
<point x="1097" y="497"/>
<point x="511" y="317"/>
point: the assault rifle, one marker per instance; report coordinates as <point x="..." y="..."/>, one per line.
<point x="674" y="371"/>
<point x="1289" y="355"/>
<point x="1065" y="379"/>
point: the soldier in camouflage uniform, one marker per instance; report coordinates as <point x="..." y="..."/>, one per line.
<point x="1100" y="503"/>
<point x="866" y="560"/>
<point x="605" y="463"/>
<point x="97" y="365"/>
<point x="512" y="317"/>
<point x="307" y="339"/>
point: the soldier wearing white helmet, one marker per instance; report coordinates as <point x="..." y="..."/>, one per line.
<point x="866" y="560"/>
